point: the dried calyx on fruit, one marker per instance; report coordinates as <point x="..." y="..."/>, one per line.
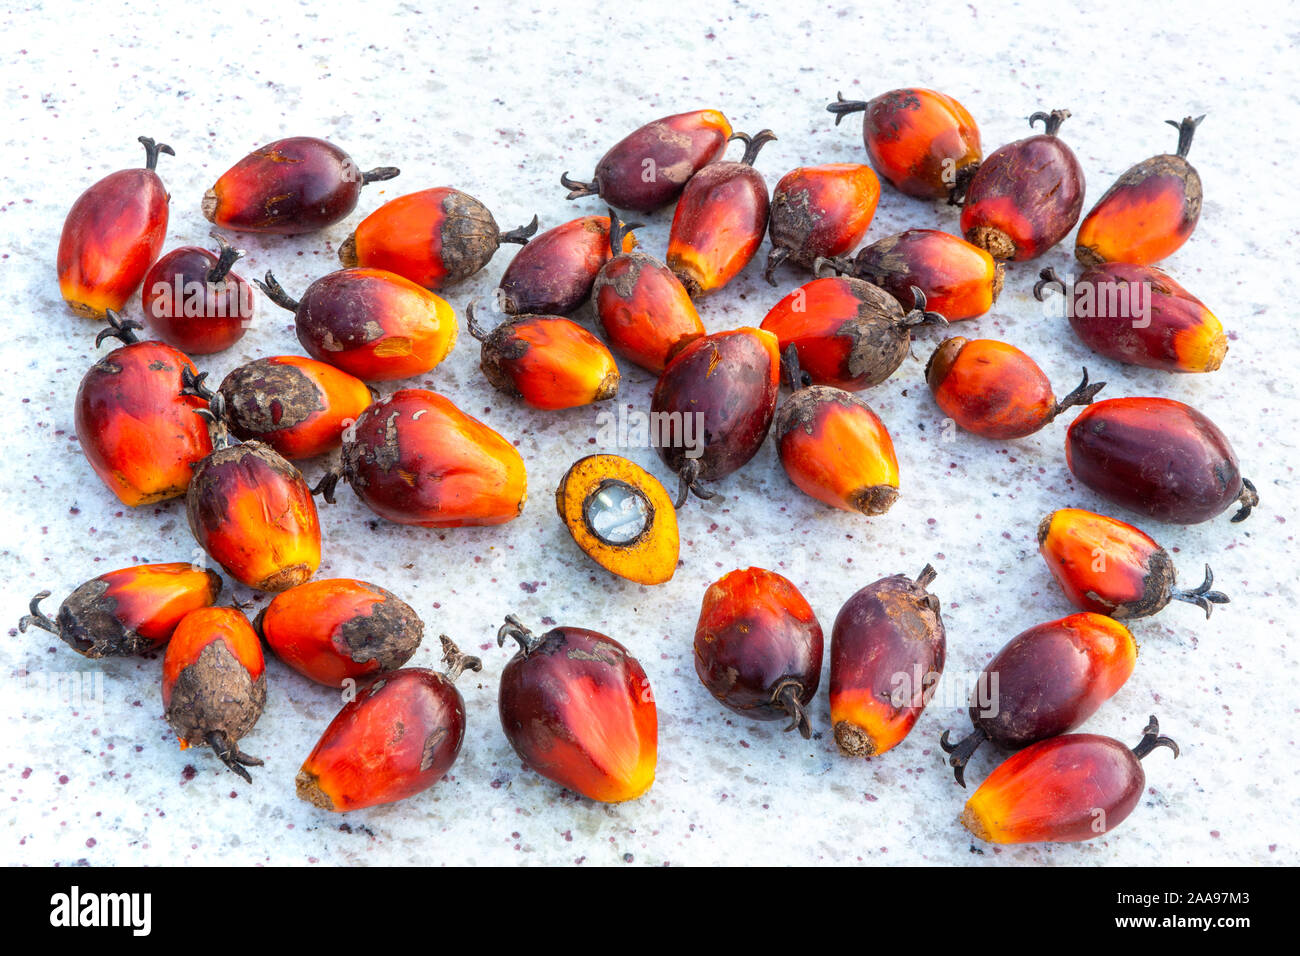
<point x="298" y="406"/>
<point x="720" y="220"/>
<point x="434" y="238"/>
<point x="833" y="447"/>
<point x="642" y="308"/>
<point x="1109" y="567"/>
<point x="1045" y="681"/>
<point x="112" y="235"/>
<point x="718" y="396"/>
<point x="372" y="324"/>
<point x="547" y="361"/>
<point x="214" y="684"/>
<point x="578" y="709"/>
<point x="137" y="430"/>
<point x="649" y="168"/>
<point x="993" y="389"/>
<point x="1026" y="196"/>
<point x="922" y="141"/>
<point x="1149" y="212"/>
<point x="340" y="629"/>
<point x="292" y="186"/>
<point x="250" y="509"/>
<point x="820" y="211"/>
<point x="758" y="647"/>
<point x="126" y="612"/>
<point x="849" y="334"/>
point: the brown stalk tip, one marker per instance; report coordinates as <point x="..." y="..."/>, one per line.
<point x="753" y="144"/>
<point x="842" y="107"/>
<point x="1186" y="130"/>
<point x="1045" y="278"/>
<point x="1151" y="739"/>
<point x="379" y="174"/>
<point x="520" y="234"/>
<point x="457" y="663"/>
<point x="577" y="189"/>
<point x="1051" y="121"/>
<point x="152" y="151"/>
<point x="1248" y="499"/>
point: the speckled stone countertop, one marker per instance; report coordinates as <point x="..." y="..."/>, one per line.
<point x="499" y="100"/>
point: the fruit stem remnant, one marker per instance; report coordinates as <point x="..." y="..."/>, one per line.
<point x="1082" y="395"/>
<point x="753" y="144"/>
<point x="1186" y="130"/>
<point x="118" y="328"/>
<point x="961" y="752"/>
<point x="275" y="292"/>
<point x="1202" y="596"/>
<point x="152" y="151"/>
<point x="230" y="754"/>
<point x="842" y="107"/>
<point x="1151" y="739"/>
<point x="227" y="256"/>
<point x="37" y="616"/>
<point x="514" y="628"/>
<point x="1051" y="121"/>
<point x="457" y="662"/>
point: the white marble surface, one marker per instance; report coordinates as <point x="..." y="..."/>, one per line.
<point x="499" y="99"/>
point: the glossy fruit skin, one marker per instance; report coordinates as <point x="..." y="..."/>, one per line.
<point x="433" y="238"/>
<point x="1148" y="213"/>
<point x="112" y="235"/>
<point x="995" y="390"/>
<point x="374" y="324"/>
<point x="919" y="140"/>
<point x="288" y="187"/>
<point x="298" y="406"/>
<point x="719" y="222"/>
<point x="960" y="280"/>
<point x="731" y="379"/>
<point x="649" y="558"/>
<point x="417" y="459"/>
<point x="129" y="611"/>
<point x="187" y="310"/>
<point x="836" y="449"/>
<point x="548" y="362"/>
<point x="214" y="682"/>
<point x="848" y="333"/>
<point x="758" y="647"/>
<point x="253" y="513"/>
<point x="820" y="211"/>
<point x="1112" y="568"/>
<point x="137" y="431"/>
<point x="667" y="151"/>
<point x="1176" y="333"/>
<point x="578" y="709"/>
<point x="398" y="737"/>
<point x="1025" y="197"/>
<point x="554" y="273"/>
<point x="1061" y="790"/>
<point x="889" y="628"/>
<point x="340" y="628"/>
<point x="1158" y="457"/>
<point x="1046" y="681"/>
<point x="644" y="311"/>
